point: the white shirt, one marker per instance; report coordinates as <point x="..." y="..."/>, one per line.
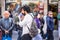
<point x="26" y="22"/>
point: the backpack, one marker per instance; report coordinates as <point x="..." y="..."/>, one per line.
<point x="33" y="30"/>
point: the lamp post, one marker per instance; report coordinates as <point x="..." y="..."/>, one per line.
<point x="5" y="5"/>
<point x="2" y="6"/>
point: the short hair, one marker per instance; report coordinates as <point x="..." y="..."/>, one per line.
<point x="49" y="12"/>
<point x="26" y="8"/>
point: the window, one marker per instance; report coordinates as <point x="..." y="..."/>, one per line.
<point x="7" y="1"/>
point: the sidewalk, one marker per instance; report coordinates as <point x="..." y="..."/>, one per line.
<point x="55" y="35"/>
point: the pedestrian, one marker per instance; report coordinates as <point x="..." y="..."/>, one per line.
<point x="11" y="10"/>
<point x="42" y="24"/>
<point x="36" y="18"/>
<point x="58" y="17"/>
<point x="26" y="21"/>
<point x="50" y="25"/>
<point x="35" y="10"/>
<point x="6" y="24"/>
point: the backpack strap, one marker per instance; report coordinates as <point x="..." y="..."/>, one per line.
<point x="31" y="16"/>
<point x="32" y="20"/>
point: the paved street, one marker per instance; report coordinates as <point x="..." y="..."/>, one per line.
<point x="15" y="35"/>
<point x="55" y="35"/>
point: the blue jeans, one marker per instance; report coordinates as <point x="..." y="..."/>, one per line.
<point x="19" y="35"/>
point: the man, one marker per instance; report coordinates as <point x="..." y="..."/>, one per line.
<point x="50" y="25"/>
<point x="26" y="21"/>
<point x="6" y="23"/>
<point x="35" y="10"/>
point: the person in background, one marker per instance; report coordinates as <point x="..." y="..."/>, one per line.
<point x="20" y="16"/>
<point x="58" y="17"/>
<point x="11" y="10"/>
<point x="6" y="24"/>
<point x="26" y="21"/>
<point x="50" y="25"/>
<point x="35" y="10"/>
<point x="36" y="18"/>
<point x="17" y="7"/>
<point x="41" y="24"/>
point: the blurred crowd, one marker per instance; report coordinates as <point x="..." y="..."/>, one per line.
<point x="28" y="22"/>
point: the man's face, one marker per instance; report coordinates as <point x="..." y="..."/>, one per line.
<point x="6" y="15"/>
<point x="23" y="12"/>
<point x="50" y="14"/>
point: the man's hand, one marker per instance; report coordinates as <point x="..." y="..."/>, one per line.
<point x="22" y="17"/>
<point x="6" y="31"/>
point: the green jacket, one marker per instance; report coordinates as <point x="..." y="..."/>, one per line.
<point x="58" y="16"/>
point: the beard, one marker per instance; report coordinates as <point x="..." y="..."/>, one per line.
<point x="24" y="14"/>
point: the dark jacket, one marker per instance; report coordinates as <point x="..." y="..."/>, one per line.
<point x="42" y="22"/>
<point x="50" y="23"/>
<point x="37" y="22"/>
<point x="6" y="24"/>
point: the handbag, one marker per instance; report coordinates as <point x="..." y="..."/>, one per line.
<point x="33" y="30"/>
<point x="6" y="37"/>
